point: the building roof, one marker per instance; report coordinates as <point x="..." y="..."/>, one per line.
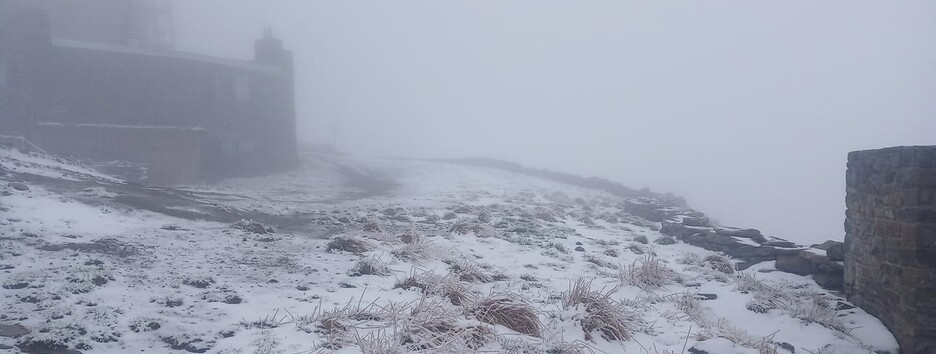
<point x="232" y="63"/>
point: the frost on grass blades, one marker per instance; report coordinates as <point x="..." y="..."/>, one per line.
<point x="464" y="260"/>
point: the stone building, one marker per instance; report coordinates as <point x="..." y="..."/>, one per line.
<point x="98" y="79"/>
<point x="890" y="241"/>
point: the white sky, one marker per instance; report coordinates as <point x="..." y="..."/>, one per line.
<point x="746" y="108"/>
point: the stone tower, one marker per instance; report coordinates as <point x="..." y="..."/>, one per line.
<point x="890" y="241"/>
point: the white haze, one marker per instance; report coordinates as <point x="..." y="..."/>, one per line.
<point x="746" y="108"/>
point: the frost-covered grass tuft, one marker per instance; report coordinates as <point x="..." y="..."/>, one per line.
<point x="370" y="266"/>
<point x="430" y="283"/>
<point x="602" y="314"/>
<point x="650" y="273"/>
<point x="509" y="311"/>
<point x="416" y="251"/>
<point x="719" y="263"/>
<point x="462" y="227"/>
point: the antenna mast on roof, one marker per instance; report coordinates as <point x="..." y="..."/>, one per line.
<point x="152" y="24"/>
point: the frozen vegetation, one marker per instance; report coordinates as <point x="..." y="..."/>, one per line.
<point x="378" y="256"/>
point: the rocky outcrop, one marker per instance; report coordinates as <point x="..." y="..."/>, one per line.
<point x="746" y="245"/>
<point x="750" y="247"/>
<point x="665" y="208"/>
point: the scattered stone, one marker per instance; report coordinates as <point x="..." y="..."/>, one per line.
<point x="580" y="249"/>
<point x="12" y="331"/>
<point x="253" y="227"/>
<point x="46" y="347"/>
<point x="642" y="239"/>
<point x="200" y="283"/>
<point x="302" y="288"/>
<point x="449" y="216"/>
<point x="22" y="187"/>
<point x="577" y="243"/>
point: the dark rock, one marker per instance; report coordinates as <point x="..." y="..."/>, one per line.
<point x="12" y="331"/>
<point x="842" y="306"/>
<point x="580" y="249"/>
<point x="578" y="243"/>
<point x="186" y="344"/>
<point x="744" y="265"/>
<point x="787" y="346"/>
<point x="693" y="222"/>
<point x="389" y="212"/>
<point x="5" y="347"/>
<point x="825" y="245"/>
<point x="781" y="244"/>
<point x="836" y="252"/>
<point x="795" y="264"/>
<point x="693" y="350"/>
<point x="705" y="297"/>
<point x="344" y="220"/>
<point x="830" y="281"/>
<point x="19" y="186"/>
<point x="752" y="234"/>
<point x="45" y="347"/>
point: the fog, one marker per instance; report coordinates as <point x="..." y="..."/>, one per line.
<point x="747" y="109"/>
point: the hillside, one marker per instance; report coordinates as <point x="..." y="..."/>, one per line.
<point x="390" y="256"/>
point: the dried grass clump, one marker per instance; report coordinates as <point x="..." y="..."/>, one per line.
<point x="410" y="236"/>
<point x="347" y="244"/>
<point x="471" y="272"/>
<point x="647" y="274"/>
<point x="370" y="266"/>
<point x="417" y="251"/>
<point x="599" y="262"/>
<point x="805" y="305"/>
<point x="479" y="230"/>
<point x="508" y="311"/>
<point x="611" y="318"/>
<point x="719" y="263"/>
<point x="446" y="286"/>
<point x="558" y="246"/>
<point x="665" y="240"/>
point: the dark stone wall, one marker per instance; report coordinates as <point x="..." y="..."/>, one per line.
<point x="890" y="241"/>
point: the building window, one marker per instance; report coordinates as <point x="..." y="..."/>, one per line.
<point x="242" y="88"/>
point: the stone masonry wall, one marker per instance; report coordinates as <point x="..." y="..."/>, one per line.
<point x="890" y="241"/>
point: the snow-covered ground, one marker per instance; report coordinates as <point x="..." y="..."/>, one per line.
<point x="380" y="256"/>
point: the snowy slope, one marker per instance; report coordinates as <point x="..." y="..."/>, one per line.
<point x="381" y="256"/>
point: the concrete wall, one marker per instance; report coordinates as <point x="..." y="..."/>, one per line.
<point x="170" y="155"/>
<point x="890" y="241"/>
